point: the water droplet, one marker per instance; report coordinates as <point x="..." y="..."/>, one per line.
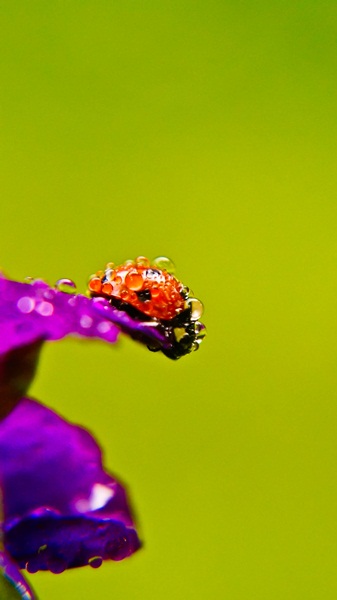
<point x="107" y="289"/>
<point x="73" y="301"/>
<point x="164" y="263"/>
<point x="110" y="265"/>
<point x="154" y="275"/>
<point x="86" y="321"/>
<point x="100" y="300"/>
<point x="66" y="285"/>
<point x="95" y="285"/>
<point x="42" y="548"/>
<point x="32" y="566"/>
<point x="57" y="565"/>
<point x="104" y="327"/>
<point x="95" y="561"/>
<point x="45" y="309"/>
<point x="26" y="305"/>
<point x="142" y="261"/>
<point x="153" y="348"/>
<point x="200" y="330"/>
<point x="109" y="274"/>
<point x="134" y="281"/>
<point x="195" y="346"/>
<point x="49" y="294"/>
<point x="28" y="279"/>
<point x="196" y="307"/>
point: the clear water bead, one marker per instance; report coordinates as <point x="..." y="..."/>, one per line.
<point x="196" y="307"/>
<point x="86" y="321"/>
<point x="66" y="285"/>
<point x="142" y="261"/>
<point x="164" y="263"/>
<point x="200" y="330"/>
<point x="45" y="309"/>
<point x="26" y="304"/>
<point x="95" y="561"/>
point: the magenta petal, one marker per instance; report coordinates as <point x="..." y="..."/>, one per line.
<point x="35" y="311"/>
<point x="61" y="508"/>
<point x="29" y="312"/>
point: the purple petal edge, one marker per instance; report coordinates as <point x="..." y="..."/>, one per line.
<point x="61" y="508"/>
<point x="32" y="311"/>
<point x="12" y="575"/>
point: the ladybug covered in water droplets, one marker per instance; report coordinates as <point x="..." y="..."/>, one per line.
<point x="144" y="290"/>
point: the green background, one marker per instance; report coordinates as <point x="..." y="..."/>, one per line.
<point x="205" y="131"/>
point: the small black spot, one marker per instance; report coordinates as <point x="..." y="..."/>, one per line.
<point x="144" y="295"/>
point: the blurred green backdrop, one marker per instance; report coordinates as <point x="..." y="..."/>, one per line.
<point x="205" y="131"/>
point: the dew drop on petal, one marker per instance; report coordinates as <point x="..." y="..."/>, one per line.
<point x="49" y="294"/>
<point x="57" y="565"/>
<point x="26" y="305"/>
<point x="95" y="561"/>
<point x="196" y="307"/>
<point x="86" y="321"/>
<point x="100" y="300"/>
<point x="32" y="567"/>
<point x="45" y="309"/>
<point x="104" y="327"/>
<point x="66" y="285"/>
<point x="164" y="263"/>
<point x="73" y="301"/>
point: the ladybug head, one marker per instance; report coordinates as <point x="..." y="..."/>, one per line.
<point x="149" y="291"/>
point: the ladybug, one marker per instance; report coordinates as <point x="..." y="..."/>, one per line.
<point x="148" y="290"/>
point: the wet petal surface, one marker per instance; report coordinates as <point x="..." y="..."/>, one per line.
<point x="61" y="508"/>
<point x="34" y="311"/>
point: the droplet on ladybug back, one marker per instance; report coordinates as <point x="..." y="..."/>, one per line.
<point x="164" y="263"/>
<point x="134" y="281"/>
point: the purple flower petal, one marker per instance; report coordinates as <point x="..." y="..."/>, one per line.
<point x="29" y="312"/>
<point x="12" y="584"/>
<point x="35" y="311"/>
<point x="61" y="508"/>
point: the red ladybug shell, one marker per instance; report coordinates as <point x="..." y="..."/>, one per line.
<point x="151" y="290"/>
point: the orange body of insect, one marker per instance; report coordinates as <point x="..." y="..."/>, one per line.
<point x="150" y="289"/>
